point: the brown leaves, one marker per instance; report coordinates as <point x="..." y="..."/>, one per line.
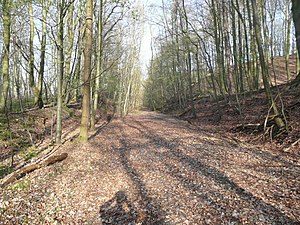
<point x="153" y="169"/>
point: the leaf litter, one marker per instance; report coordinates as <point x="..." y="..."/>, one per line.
<point x="151" y="168"/>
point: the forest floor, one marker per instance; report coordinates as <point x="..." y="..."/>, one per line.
<point x="151" y="168"/>
<point x="250" y="119"/>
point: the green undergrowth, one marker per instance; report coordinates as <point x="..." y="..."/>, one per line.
<point x="21" y="185"/>
<point x="4" y="170"/>
<point x="26" y="103"/>
<point x="30" y="153"/>
<point x="13" y="134"/>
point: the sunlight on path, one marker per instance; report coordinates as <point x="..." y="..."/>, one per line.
<point x="153" y="169"/>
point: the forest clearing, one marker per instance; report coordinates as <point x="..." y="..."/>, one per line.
<point x="137" y="112"/>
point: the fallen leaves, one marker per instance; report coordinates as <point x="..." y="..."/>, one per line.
<point x="153" y="169"/>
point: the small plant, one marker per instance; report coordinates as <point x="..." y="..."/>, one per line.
<point x="20" y="186"/>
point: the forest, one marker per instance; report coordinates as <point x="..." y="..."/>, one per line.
<point x="149" y="112"/>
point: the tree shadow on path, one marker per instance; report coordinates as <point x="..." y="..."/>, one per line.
<point x="149" y="213"/>
<point x="118" y="210"/>
<point x="208" y="171"/>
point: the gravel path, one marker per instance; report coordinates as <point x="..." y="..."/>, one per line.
<point x="153" y="169"/>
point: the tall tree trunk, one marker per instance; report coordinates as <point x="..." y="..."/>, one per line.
<point x="5" y="60"/>
<point x="69" y="51"/>
<point x="77" y="78"/>
<point x="43" y="52"/>
<point x="200" y="91"/>
<point x="189" y="61"/>
<point x="240" y="56"/>
<point x="99" y="65"/>
<point x="85" y="119"/>
<point x="296" y="19"/>
<point x="253" y="72"/>
<point x="287" y="41"/>
<point x="226" y="6"/>
<point x="31" y="55"/>
<point x="60" y="70"/>
<point x="217" y="40"/>
<point x="264" y="26"/>
<point x="16" y="73"/>
<point x="235" y="52"/>
<point x="279" y="122"/>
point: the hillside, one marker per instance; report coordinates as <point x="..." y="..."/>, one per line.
<point x="247" y="123"/>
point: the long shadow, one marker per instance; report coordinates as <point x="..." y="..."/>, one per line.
<point x="119" y="211"/>
<point x="197" y="190"/>
<point x="228" y="184"/>
<point x="259" y="153"/>
<point x="151" y="211"/>
<point x="212" y="173"/>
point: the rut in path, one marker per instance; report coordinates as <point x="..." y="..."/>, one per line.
<point x="153" y="169"/>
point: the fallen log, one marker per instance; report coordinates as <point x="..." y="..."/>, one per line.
<point x="54" y="159"/>
<point x="31" y="167"/>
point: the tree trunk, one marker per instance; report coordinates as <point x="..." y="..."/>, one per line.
<point x="240" y="50"/>
<point x="296" y="19"/>
<point x="279" y="122"/>
<point x="253" y="72"/>
<point x="85" y="119"/>
<point x="43" y="52"/>
<point x="235" y="52"/>
<point x="31" y="55"/>
<point x="217" y="39"/>
<point x="60" y="70"/>
<point x="188" y="61"/>
<point x="77" y="79"/>
<point x="5" y="60"/>
<point x="99" y="64"/>
<point x="287" y="41"/>
<point x="69" y="51"/>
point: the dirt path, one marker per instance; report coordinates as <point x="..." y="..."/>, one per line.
<point x="153" y="169"/>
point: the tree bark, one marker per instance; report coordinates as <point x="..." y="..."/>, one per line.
<point x="31" y="55"/>
<point x="296" y="19"/>
<point x="5" y="60"/>
<point x="217" y="39"/>
<point x="287" y="41"/>
<point x="188" y="61"/>
<point x="85" y="119"/>
<point x="43" y="52"/>
<point x="69" y="51"/>
<point x="99" y="65"/>
<point x="60" y="62"/>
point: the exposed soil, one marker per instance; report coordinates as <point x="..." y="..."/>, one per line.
<point x="151" y="168"/>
